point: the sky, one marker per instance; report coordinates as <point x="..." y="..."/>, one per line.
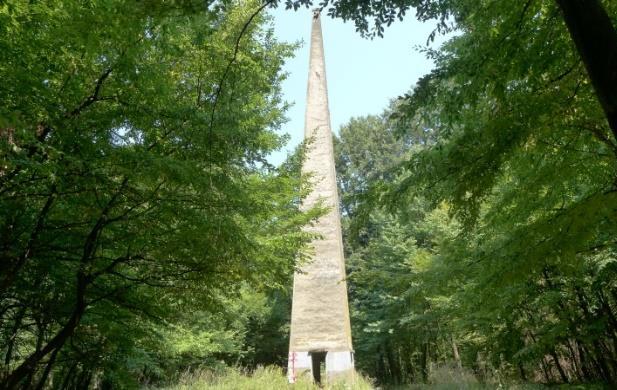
<point x="363" y="75"/>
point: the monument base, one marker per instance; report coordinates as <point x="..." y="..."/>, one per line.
<point x="338" y="366"/>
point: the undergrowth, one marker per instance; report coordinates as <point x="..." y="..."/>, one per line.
<point x="263" y="378"/>
<point x="273" y="378"/>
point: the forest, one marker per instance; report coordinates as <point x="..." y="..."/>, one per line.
<point x="146" y="237"/>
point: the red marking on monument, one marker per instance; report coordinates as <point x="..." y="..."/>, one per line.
<point x="293" y="367"/>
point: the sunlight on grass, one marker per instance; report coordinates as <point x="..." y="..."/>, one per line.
<point x="273" y="378"/>
<point x="266" y="378"/>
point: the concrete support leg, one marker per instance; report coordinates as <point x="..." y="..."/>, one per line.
<point x="298" y="365"/>
<point x="339" y="365"/>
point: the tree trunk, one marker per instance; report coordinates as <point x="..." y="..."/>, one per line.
<point x="45" y="375"/>
<point x="612" y="322"/>
<point x="13" y="337"/>
<point x="67" y="378"/>
<point x="90" y="245"/>
<point x="600" y="352"/>
<point x="521" y="370"/>
<point x="547" y="371"/>
<point x="562" y="373"/>
<point x="11" y="274"/>
<point x="586" y="366"/>
<point x="29" y="365"/>
<point x="576" y="364"/>
<point x="596" y="41"/>
<point x="457" y="357"/>
<point x="425" y="363"/>
<point x="392" y="364"/>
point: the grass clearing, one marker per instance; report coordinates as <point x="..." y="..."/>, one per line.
<point x="263" y="378"/>
<point x="273" y="378"/>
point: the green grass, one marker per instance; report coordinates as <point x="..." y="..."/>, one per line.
<point x="266" y="378"/>
<point x="449" y="377"/>
<point x="273" y="378"/>
<point x="474" y="385"/>
<point x="478" y="386"/>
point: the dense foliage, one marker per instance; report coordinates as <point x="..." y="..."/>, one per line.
<point x="143" y="233"/>
<point x="498" y="248"/>
<point x="136" y="207"/>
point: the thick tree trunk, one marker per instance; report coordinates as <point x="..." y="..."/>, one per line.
<point x="596" y="41"/>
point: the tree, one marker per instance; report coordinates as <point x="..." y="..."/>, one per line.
<point x="522" y="156"/>
<point x="524" y="159"/>
<point x="589" y="24"/>
<point x="133" y="187"/>
<point x="399" y="327"/>
<point x="595" y="38"/>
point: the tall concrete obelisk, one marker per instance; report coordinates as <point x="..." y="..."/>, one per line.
<point x="320" y="328"/>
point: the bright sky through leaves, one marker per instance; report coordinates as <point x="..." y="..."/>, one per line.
<point x="363" y="75"/>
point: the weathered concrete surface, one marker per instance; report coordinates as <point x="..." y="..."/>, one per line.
<point x="320" y="313"/>
<point x="298" y="366"/>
